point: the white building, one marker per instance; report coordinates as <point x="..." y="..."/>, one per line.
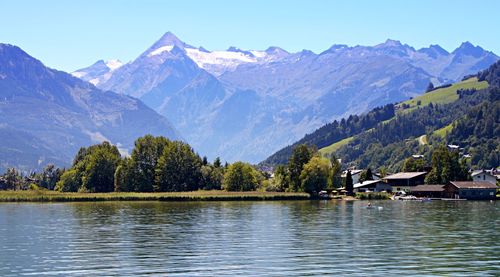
<point x="483" y="176"/>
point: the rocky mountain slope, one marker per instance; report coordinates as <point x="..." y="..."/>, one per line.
<point x="47" y="115"/>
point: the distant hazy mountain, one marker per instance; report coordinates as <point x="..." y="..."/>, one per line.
<point x="47" y="115"/>
<point x="98" y="72"/>
<point x="246" y="104"/>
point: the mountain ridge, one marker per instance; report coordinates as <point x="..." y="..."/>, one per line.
<point x="279" y="96"/>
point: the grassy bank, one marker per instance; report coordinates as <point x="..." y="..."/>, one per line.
<point x="213" y="195"/>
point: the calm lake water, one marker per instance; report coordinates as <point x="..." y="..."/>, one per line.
<point x="287" y="238"/>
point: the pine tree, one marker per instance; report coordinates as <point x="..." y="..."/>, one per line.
<point x="348" y="183"/>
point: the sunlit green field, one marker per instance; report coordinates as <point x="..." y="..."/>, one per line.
<point x="443" y="95"/>
<point x="335" y="146"/>
<point x="443" y="131"/>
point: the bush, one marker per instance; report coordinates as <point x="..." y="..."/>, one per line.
<point x="240" y="176"/>
<point x="372" y="195"/>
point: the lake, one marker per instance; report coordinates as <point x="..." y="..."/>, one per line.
<point x="281" y="238"/>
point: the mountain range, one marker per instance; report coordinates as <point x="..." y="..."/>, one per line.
<point x="47" y="115"/>
<point x="246" y="104"/>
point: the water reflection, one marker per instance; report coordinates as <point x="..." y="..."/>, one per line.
<point x="288" y="238"/>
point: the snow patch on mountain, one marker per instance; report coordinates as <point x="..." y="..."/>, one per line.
<point x="160" y="50"/>
<point x="79" y="74"/>
<point x="219" y="62"/>
<point x="114" y="64"/>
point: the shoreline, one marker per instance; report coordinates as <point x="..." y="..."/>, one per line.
<point x="212" y="195"/>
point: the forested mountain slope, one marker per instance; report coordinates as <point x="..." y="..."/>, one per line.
<point x="465" y="114"/>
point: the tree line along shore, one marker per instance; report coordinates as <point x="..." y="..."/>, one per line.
<point x="160" y="169"/>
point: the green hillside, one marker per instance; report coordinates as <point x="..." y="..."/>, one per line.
<point x="325" y="151"/>
<point x="443" y="131"/>
<point x="438" y="96"/>
<point x="442" y="95"/>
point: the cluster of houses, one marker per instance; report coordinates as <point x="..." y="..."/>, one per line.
<point x="482" y="187"/>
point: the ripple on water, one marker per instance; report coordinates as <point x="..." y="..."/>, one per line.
<point x="289" y="238"/>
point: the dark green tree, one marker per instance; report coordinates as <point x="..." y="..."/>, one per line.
<point x="348" y="183"/>
<point x="145" y="157"/>
<point x="178" y="169"/>
<point x="211" y="177"/>
<point x="93" y="170"/>
<point x="217" y="162"/>
<point x="336" y="172"/>
<point x="414" y="165"/>
<point x="100" y="167"/>
<point x="124" y="176"/>
<point x="70" y="181"/>
<point x="281" y="178"/>
<point x="366" y="175"/>
<point x="300" y="156"/>
<point x="446" y="167"/>
<point x="430" y="87"/>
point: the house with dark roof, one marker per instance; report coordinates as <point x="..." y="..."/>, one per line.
<point x="471" y="190"/>
<point x="430" y="191"/>
<point x="405" y="180"/>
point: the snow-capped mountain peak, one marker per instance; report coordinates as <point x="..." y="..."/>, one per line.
<point x="165" y="44"/>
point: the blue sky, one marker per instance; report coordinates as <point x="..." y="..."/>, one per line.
<point x="68" y="35"/>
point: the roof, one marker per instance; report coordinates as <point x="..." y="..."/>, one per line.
<point x="366" y="183"/>
<point x="474" y="185"/>
<point x="404" y="175"/>
<point x="428" y="188"/>
<point x="353" y="172"/>
<point x="477" y="172"/>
